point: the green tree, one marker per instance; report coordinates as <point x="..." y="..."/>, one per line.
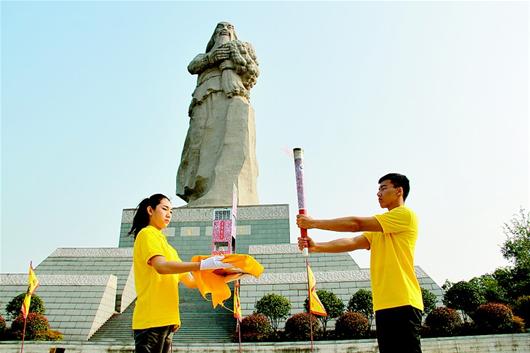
<point x="491" y="289"/>
<point x="429" y="300"/>
<point x="275" y="307"/>
<point x="515" y="281"/>
<point x="361" y="302"/>
<point x="14" y="306"/>
<point x="517" y="247"/>
<point x="333" y="305"/>
<point x="464" y="296"/>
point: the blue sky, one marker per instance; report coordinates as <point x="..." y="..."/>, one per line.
<point x="94" y="114"/>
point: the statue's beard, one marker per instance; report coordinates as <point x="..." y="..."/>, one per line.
<point x="222" y="39"/>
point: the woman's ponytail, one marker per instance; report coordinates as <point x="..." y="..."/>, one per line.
<point x="141" y="217"/>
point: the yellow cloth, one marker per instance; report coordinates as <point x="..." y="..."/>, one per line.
<point x="237" y="304"/>
<point x="315" y="305"/>
<point x="394" y="281"/>
<point x="208" y="282"/>
<point x="157" y="302"/>
<point x="33" y="283"/>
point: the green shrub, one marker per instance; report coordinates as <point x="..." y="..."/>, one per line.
<point x="361" y="302"/>
<point x="494" y="318"/>
<point x="35" y="323"/>
<point x="333" y="305"/>
<point x="14" y="306"/>
<point x="429" y="300"/>
<point x="464" y="296"/>
<point x="443" y="321"/>
<point x="352" y="325"/>
<point x="255" y="328"/>
<point x="522" y="308"/>
<point x="274" y="306"/>
<point x="298" y="327"/>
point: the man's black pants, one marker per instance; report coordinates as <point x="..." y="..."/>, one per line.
<point x="398" y="329"/>
<point x="153" y="340"/>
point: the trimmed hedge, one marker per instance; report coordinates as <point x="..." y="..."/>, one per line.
<point x="442" y="321"/>
<point x="493" y="318"/>
<point x="298" y="327"/>
<point x="2" y="327"/>
<point x="35" y="325"/>
<point x="255" y="328"/>
<point x="352" y="325"/>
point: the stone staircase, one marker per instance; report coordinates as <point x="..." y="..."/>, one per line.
<point x="200" y="322"/>
<point x="117" y="330"/>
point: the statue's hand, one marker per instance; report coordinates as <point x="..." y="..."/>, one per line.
<point x="219" y="54"/>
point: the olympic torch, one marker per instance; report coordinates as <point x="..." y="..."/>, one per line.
<point x="299" y="170"/>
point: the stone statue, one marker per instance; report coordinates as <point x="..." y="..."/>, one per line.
<point x="220" y="147"/>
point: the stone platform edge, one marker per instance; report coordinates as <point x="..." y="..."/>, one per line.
<point x="519" y="343"/>
<point x="203" y="214"/>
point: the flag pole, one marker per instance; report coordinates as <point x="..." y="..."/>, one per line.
<point x="33" y="283"/>
<point x="298" y="155"/>
<point x="238" y="319"/>
<point x="23" y="335"/>
<point x="233" y="214"/>
<point x="309" y="302"/>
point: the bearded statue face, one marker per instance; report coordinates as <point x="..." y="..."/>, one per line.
<point x="224" y="29"/>
<point x="224" y="32"/>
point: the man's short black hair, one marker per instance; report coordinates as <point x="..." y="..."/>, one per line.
<point x="398" y="180"/>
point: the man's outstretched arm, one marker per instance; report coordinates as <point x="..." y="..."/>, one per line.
<point x="345" y="224"/>
<point x="334" y="246"/>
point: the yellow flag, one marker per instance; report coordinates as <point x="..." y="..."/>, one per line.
<point x="237" y="303"/>
<point x="33" y="283"/>
<point x="315" y="305"/>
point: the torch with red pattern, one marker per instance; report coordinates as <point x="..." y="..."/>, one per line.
<point x="299" y="171"/>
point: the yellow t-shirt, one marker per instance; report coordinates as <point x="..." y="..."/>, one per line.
<point x="157" y="302"/>
<point x="392" y="274"/>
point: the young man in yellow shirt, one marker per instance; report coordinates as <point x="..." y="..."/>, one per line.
<point x="391" y="239"/>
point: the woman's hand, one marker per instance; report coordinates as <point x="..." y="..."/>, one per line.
<point x="214" y="263"/>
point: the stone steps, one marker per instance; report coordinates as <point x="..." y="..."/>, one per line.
<point x="200" y="322"/>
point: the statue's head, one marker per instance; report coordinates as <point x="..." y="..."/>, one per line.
<point x="223" y="29"/>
